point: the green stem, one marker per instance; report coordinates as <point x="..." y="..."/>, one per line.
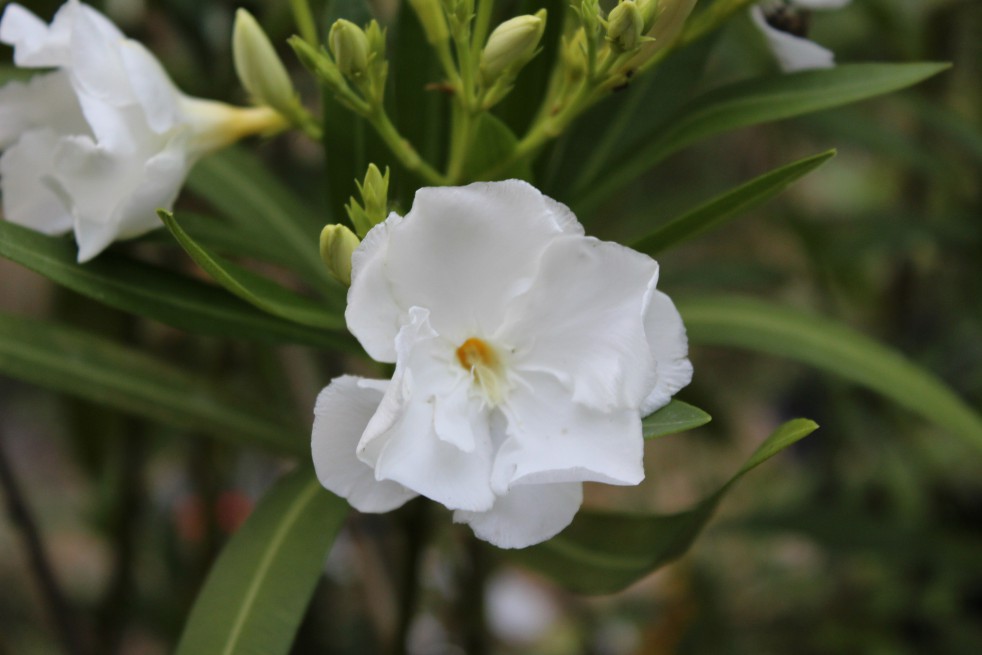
<point x="304" y="18"/>
<point x="482" y="25"/>
<point x="402" y="149"/>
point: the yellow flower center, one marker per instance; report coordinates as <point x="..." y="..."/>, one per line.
<point x="478" y="357"/>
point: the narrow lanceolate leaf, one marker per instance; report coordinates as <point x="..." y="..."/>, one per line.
<point x="242" y="189"/>
<point x="722" y="208"/>
<point x="255" y="289"/>
<point x="751" y="103"/>
<point x="600" y="553"/>
<point x="674" y="417"/>
<point x="80" y="364"/>
<point x="258" y="590"/>
<point x="760" y="326"/>
<point x="154" y="292"/>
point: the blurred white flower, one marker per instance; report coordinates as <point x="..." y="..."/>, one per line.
<point x="105" y="139"/>
<point x="526" y="354"/>
<point x="784" y="24"/>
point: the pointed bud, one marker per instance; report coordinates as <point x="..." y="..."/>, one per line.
<point x="374" y="205"/>
<point x="430" y="14"/>
<point x="349" y="45"/>
<point x="258" y="66"/>
<point x="625" y="26"/>
<point x="649" y="11"/>
<point x="511" y="45"/>
<point x="337" y="244"/>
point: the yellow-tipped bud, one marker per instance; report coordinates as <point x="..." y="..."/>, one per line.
<point x="625" y="26"/>
<point x="434" y="22"/>
<point x="259" y="67"/>
<point x="349" y="45"/>
<point x="511" y="45"/>
<point x="337" y="244"/>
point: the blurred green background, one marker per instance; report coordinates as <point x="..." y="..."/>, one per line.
<point x="864" y="538"/>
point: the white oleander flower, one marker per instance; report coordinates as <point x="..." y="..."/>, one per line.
<point x="784" y="24"/>
<point x="526" y="354"/>
<point x="105" y="139"/>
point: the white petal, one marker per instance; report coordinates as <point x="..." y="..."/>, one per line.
<point x="403" y="441"/>
<point x="26" y="200"/>
<point x="342" y="411"/>
<point x="372" y="314"/>
<point x="35" y="45"/>
<point x="464" y="253"/>
<point x="152" y="87"/>
<point x="526" y="515"/>
<point x="820" y="4"/>
<point x="552" y="439"/>
<point x="582" y="321"/>
<point x="670" y="347"/>
<point x="793" y="53"/>
<point x="97" y="65"/>
<point x="43" y="101"/>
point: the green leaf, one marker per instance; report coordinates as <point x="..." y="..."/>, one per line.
<point x="829" y="346"/>
<point x="600" y="553"/>
<point x="238" y="185"/>
<point x="154" y="292"/>
<point x="255" y="289"/>
<point x="491" y="144"/>
<point x="728" y="205"/>
<point x="753" y="102"/>
<point x="674" y="417"/>
<point x="80" y="364"/>
<point x="258" y="590"/>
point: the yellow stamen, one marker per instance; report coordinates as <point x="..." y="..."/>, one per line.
<point x="476" y="356"/>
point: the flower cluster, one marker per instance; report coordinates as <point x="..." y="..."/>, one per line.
<point x="100" y="143"/>
<point x="525" y="356"/>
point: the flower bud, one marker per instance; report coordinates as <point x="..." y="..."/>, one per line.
<point x="649" y="11"/>
<point x="625" y="26"/>
<point x="430" y="14"/>
<point x="337" y="244"/>
<point x="374" y="205"/>
<point x="349" y="45"/>
<point x="511" y="45"/>
<point x="258" y="66"/>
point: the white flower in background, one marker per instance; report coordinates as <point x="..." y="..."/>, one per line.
<point x="784" y="23"/>
<point x="526" y="354"/>
<point x="105" y="139"/>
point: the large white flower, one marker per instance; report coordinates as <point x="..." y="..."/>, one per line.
<point x="105" y="139"/>
<point x="526" y="354"/>
<point x="784" y="23"/>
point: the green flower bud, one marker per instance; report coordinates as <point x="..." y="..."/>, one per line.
<point x="649" y="11"/>
<point x="511" y="45"/>
<point x="430" y="14"/>
<point x="337" y="244"/>
<point x="625" y="26"/>
<point x="349" y="45"/>
<point x="258" y="66"/>
<point x="374" y="205"/>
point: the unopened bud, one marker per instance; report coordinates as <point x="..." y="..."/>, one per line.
<point x="649" y="11"/>
<point x="337" y="244"/>
<point x="258" y="66"/>
<point x="511" y="45"/>
<point x="374" y="204"/>
<point x="625" y="26"/>
<point x="349" y="45"/>
<point x="430" y="14"/>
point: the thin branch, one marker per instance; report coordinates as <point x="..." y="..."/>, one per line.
<point x="21" y="517"/>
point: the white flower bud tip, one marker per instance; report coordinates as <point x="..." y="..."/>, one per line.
<point x="512" y="44"/>
<point x="349" y="45"/>
<point x="258" y="66"/>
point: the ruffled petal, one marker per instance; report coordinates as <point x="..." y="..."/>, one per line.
<point x="669" y="346"/>
<point x="151" y="86"/>
<point x="465" y="253"/>
<point x="793" y="53"/>
<point x="35" y="45"/>
<point x="44" y="101"/>
<point x="552" y="439"/>
<point x="342" y="411"/>
<point x="372" y="314"/>
<point x="526" y="515"/>
<point x="581" y="321"/>
<point x="26" y="200"/>
<point x="408" y="439"/>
